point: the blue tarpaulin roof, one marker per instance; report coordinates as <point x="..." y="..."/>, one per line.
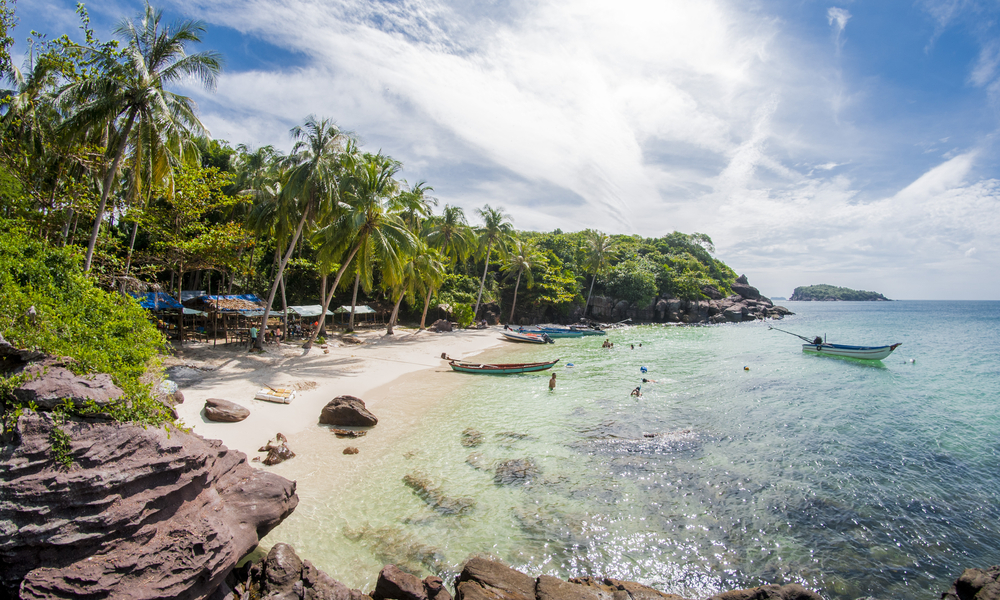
<point x="248" y="297"/>
<point x="157" y="301"/>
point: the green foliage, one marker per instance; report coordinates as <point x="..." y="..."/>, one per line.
<point x="102" y="331"/>
<point x="825" y="292"/>
<point x="463" y="315"/>
<point x="60" y="442"/>
<point x="633" y="280"/>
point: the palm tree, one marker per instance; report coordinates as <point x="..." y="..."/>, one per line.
<point x="520" y="260"/>
<point x="131" y="91"/>
<point x="450" y="233"/>
<point x="496" y="230"/>
<point x="599" y="249"/>
<point x="310" y="188"/>
<point x="368" y="230"/>
<point x="432" y="271"/>
<point x="415" y="205"/>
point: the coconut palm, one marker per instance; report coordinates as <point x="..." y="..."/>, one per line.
<point x="129" y="91"/>
<point x="368" y="230"/>
<point x="309" y="191"/>
<point x="495" y="232"/>
<point x="415" y="205"/>
<point x="521" y="258"/>
<point x="450" y="233"/>
<point x="432" y="272"/>
<point x="599" y="251"/>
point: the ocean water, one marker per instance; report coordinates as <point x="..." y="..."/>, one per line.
<point x="747" y="462"/>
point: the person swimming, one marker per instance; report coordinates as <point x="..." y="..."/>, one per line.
<point x="637" y="392"/>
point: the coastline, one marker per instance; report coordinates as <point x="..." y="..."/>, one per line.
<point x="367" y="371"/>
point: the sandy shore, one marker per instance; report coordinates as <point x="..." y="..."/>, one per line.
<point x="365" y="370"/>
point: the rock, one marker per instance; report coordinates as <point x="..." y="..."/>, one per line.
<point x="351" y="450"/>
<point x="344" y="433"/>
<point x="284" y="576"/>
<point x="734" y="314"/>
<point x="518" y="470"/>
<point x="435" y="590"/>
<point x="435" y="497"/>
<point x="224" y="411"/>
<point x="743" y="288"/>
<point x="975" y="584"/>
<point x="441" y="325"/>
<point x="50" y="383"/>
<point x="552" y="588"/>
<point x="347" y="411"/>
<point x="481" y="578"/>
<point x="472" y="438"/>
<point x="143" y="512"/>
<point x="792" y="591"/>
<point x="625" y="590"/>
<point x="711" y="291"/>
<point x="395" y="584"/>
<point x="277" y="450"/>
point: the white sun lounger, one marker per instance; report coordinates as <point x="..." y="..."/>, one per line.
<point x="279" y="395"/>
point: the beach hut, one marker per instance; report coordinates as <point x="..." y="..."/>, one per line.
<point x="236" y="312"/>
<point x="368" y="313"/>
<point x="306" y="315"/>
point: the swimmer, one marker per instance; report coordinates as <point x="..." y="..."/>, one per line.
<point x="633" y="346"/>
<point x="644" y="380"/>
<point x="637" y="392"/>
<point x="552" y="382"/>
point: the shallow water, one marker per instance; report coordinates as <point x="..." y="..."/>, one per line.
<point x="851" y="478"/>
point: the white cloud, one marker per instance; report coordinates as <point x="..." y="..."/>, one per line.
<point x="838" y="18"/>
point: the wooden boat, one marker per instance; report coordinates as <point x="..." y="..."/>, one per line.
<point x="862" y="352"/>
<point x="500" y="369"/>
<point x="530" y="338"/>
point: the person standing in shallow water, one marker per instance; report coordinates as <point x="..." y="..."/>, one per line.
<point x="552" y="382"/>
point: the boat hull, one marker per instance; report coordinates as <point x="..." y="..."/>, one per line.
<point x="555" y="333"/>
<point x="861" y="352"/>
<point x="528" y="338"/>
<point x="591" y="331"/>
<point x="501" y="369"/>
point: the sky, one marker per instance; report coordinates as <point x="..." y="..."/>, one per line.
<point x="851" y="143"/>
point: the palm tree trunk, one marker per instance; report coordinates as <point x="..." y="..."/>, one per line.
<point x="427" y="303"/>
<point x="180" y="295"/>
<point x="395" y="312"/>
<point x="69" y="221"/>
<point x="106" y="189"/>
<point x="259" y="345"/>
<point x="482" y="282"/>
<point x="514" y="303"/>
<point x="284" y="306"/>
<point x="321" y="324"/>
<point x="327" y="298"/>
<point x="131" y="246"/>
<point x="587" y="305"/>
<point x="354" y="298"/>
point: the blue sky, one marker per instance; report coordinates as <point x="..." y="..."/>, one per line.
<point x="849" y="143"/>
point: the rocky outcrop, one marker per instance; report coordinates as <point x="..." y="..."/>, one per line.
<point x="441" y="325"/>
<point x="347" y="411"/>
<point x="225" y="411"/>
<point x="285" y="576"/>
<point x="975" y="584"/>
<point x="140" y="513"/>
<point x="277" y="450"/>
<point x="792" y="591"/>
<point x="395" y="584"/>
<point x="47" y="381"/>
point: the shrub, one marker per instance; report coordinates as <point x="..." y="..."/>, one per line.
<point x="463" y="315"/>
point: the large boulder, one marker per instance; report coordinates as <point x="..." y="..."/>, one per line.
<point x="792" y="591"/>
<point x="481" y="578"/>
<point x="141" y="512"/>
<point x="225" y="411"/>
<point x="441" y="325"/>
<point x="396" y="584"/>
<point x="50" y="383"/>
<point x="347" y="411"/>
<point x="282" y="575"/>
<point x="743" y="288"/>
<point x="976" y="584"/>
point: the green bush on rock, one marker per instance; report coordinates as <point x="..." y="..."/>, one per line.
<point x="101" y="331"/>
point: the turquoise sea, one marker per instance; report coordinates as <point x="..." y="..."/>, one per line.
<point x="855" y="479"/>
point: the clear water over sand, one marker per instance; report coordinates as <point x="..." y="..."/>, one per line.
<point x="855" y="479"/>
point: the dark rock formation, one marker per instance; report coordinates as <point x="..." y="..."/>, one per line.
<point x="224" y="411"/>
<point x="284" y="576"/>
<point x="435" y="496"/>
<point x="49" y="381"/>
<point x="345" y="433"/>
<point x="347" y="411"/>
<point x="351" y="450"/>
<point x="482" y="579"/>
<point x="141" y="513"/>
<point x="395" y="584"/>
<point x="975" y="584"/>
<point x="277" y="450"/>
<point x="792" y="591"/>
<point x="441" y="325"/>
<point x="626" y="590"/>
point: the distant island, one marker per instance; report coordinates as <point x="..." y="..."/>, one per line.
<point x="778" y="298"/>
<point x="831" y="293"/>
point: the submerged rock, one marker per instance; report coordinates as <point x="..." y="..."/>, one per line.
<point x="277" y="450"/>
<point x="518" y="470"/>
<point x="282" y="575"/>
<point x="344" y="433"/>
<point x="347" y="411"/>
<point x="435" y="497"/>
<point x="351" y="450"/>
<point x="142" y="512"/>
<point x="472" y="438"/>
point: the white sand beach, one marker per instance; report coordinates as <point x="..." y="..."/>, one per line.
<point x="366" y="370"/>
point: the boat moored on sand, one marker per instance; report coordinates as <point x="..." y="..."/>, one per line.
<point x="529" y="338"/>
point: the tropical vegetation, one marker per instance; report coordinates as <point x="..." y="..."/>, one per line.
<point x="109" y="182"/>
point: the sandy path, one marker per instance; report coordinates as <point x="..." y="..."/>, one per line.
<point x="366" y="371"/>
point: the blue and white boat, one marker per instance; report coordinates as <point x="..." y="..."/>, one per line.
<point x="862" y="352"/>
